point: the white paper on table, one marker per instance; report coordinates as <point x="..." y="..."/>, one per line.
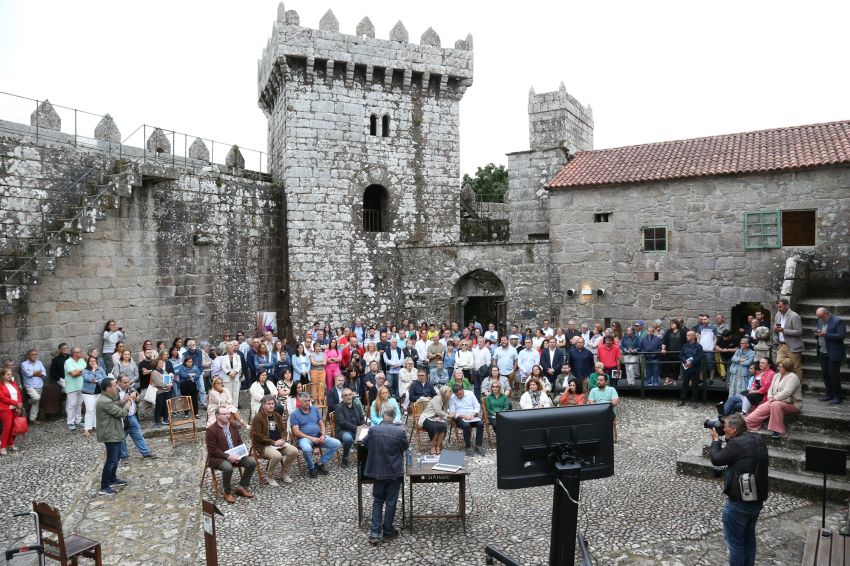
<point x="475" y="420"/>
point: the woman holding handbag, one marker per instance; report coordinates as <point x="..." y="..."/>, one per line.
<point x="11" y="406"/>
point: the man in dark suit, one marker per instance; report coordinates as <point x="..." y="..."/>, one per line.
<point x="387" y="444"/>
<point x="830" y="334"/>
<point x="221" y="436"/>
<point x="335" y="394"/>
<point x="551" y="360"/>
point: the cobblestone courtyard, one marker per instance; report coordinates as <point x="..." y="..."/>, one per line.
<point x="645" y="514"/>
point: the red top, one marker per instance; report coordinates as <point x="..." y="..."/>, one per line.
<point x="608" y="356"/>
<point x="6" y="401"/>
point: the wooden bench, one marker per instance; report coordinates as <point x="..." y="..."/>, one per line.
<point x="826" y="548"/>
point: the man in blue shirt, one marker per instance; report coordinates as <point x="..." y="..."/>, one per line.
<point x="387" y="444"/>
<point x="308" y="426"/>
<point x="33" y="375"/>
<point x="466" y="412"/>
<point x="652" y="347"/>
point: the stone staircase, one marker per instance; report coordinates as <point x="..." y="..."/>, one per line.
<point x="100" y="191"/>
<point x="813" y="379"/>
<point x="819" y="424"/>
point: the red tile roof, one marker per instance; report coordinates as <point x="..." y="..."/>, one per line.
<point x="780" y="149"/>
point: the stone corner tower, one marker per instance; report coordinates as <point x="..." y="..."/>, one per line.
<point x="363" y="137"/>
<point x="558" y="127"/>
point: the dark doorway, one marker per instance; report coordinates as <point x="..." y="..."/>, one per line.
<point x="742" y="311"/>
<point x="375" y="201"/>
<point x="480" y="295"/>
<point x="482" y="309"/>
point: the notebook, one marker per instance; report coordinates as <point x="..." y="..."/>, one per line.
<point x="450" y="461"/>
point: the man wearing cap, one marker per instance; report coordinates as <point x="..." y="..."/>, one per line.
<point x="507" y="358"/>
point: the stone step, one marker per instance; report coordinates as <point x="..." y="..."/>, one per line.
<point x="800" y="484"/>
<point x="816" y="388"/>
<point x="818" y="416"/>
<point x="785" y="460"/>
<point x="799" y="439"/>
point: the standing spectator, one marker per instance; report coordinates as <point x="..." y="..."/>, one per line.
<point x="140" y="355"/>
<point x="723" y="351"/>
<point x="652" y="345"/>
<point x="74" y="367"/>
<point x="506" y="359"/>
<point x="116" y="357"/>
<point x="263" y="361"/>
<point x="421" y="346"/>
<point x="250" y="354"/>
<point x="609" y="354"/>
<point x="231" y="372"/>
<point x="721" y="324"/>
<point x="630" y="348"/>
<point x="595" y="339"/>
<point x="53" y="393"/>
<point x="581" y="360"/>
<point x="198" y="357"/>
<point x="126" y="366"/>
<point x="163" y="391"/>
<point x="435" y="351"/>
<point x="224" y="342"/>
<point x="111" y="337"/>
<point x="482" y="356"/>
<point x="93" y="374"/>
<point x="300" y="365"/>
<point x="465" y="360"/>
<point x="830" y="334"/>
<point x="691" y="355"/>
<point x="707" y="338"/>
<point x="282" y="360"/>
<point x="333" y="356"/>
<point x="386" y="444"/>
<point x="551" y="359"/>
<point x="571" y="332"/>
<point x="111" y="412"/>
<point x="789" y="333"/>
<point x="674" y="338"/>
<point x="11" y="403"/>
<point x="146" y="367"/>
<point x="317" y="364"/>
<point x="33" y="375"/>
<point x="739" y="368"/>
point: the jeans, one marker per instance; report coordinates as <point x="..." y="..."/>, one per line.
<point x="329" y="449"/>
<point x="384" y="491"/>
<point x="733" y="405"/>
<point x="653" y="374"/>
<point x="202" y="392"/>
<point x="831" y="372"/>
<point x="347" y="441"/>
<point x="739" y="531"/>
<point x="135" y="432"/>
<point x="110" y="467"/>
<point x="393" y="383"/>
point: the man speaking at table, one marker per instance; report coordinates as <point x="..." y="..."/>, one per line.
<point x="387" y="444"/>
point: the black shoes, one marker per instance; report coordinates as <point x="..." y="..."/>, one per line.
<point x="313" y="473"/>
<point x="322" y="470"/>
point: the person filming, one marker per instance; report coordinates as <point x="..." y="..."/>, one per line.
<point x="745" y="485"/>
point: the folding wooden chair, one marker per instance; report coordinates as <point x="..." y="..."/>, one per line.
<point x="180" y="405"/>
<point x="261" y="472"/>
<point x="457" y="435"/>
<point x="64" y="549"/>
<point x="213" y="479"/>
<point x="416" y="410"/>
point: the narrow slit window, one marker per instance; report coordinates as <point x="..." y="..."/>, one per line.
<point x="373" y="125"/>
<point x="385" y="126"/>
<point x="602" y="217"/>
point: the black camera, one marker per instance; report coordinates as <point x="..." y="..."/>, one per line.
<point x="716" y="424"/>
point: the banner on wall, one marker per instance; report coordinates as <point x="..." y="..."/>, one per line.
<point x="266" y="321"/>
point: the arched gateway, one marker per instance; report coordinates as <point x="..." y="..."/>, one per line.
<point x="480" y="295"/>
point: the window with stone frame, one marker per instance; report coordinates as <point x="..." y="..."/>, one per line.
<point x="654" y="238"/>
<point x="373" y="125"/>
<point x="385" y="126"/>
<point x="799" y="227"/>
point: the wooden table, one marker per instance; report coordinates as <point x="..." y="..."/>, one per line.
<point x="426" y="474"/>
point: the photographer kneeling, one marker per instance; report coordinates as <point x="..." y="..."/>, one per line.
<point x="745" y="485"/>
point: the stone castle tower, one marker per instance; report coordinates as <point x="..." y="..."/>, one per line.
<point x="558" y="128"/>
<point x="363" y="139"/>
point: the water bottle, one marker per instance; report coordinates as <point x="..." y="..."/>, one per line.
<point x="409" y="458"/>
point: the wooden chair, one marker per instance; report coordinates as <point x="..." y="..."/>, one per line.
<point x="65" y="550"/>
<point x="213" y="479"/>
<point x="416" y="410"/>
<point x="261" y="472"/>
<point x="180" y="405"/>
<point x="320" y="401"/>
<point x="485" y="418"/>
<point x="332" y="433"/>
<point x="459" y="445"/>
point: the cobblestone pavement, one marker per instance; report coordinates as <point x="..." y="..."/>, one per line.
<point x="645" y="514"/>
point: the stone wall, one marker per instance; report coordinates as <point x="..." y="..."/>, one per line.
<point x="521" y="268"/>
<point x="320" y="89"/>
<point x="706" y="267"/>
<point x="194" y="255"/>
<point x="527" y="198"/>
<point x="558" y="119"/>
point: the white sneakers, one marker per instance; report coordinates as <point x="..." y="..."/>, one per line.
<point x="272" y="482"/>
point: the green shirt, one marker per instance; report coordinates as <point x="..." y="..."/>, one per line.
<point x="497" y="405"/>
<point x="592" y="379"/>
<point x="74" y="384"/>
<point x="451" y="383"/>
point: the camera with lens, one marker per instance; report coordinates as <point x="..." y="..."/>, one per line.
<point x="716" y="424"/>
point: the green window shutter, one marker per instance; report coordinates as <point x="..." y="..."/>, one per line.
<point x="654" y="238"/>
<point x="763" y="230"/>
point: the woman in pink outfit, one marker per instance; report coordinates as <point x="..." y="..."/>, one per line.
<point x="785" y="397"/>
<point x="332" y="358"/>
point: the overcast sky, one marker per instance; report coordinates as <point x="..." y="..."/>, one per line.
<point x="652" y="71"/>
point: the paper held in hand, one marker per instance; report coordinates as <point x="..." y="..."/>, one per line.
<point x="239" y="451"/>
<point x="363" y="432"/>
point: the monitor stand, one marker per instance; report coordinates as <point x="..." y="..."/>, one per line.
<point x="562" y="539"/>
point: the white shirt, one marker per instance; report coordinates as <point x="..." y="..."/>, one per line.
<point x="422" y="349"/>
<point x="121" y="395"/>
<point x="781" y="319"/>
<point x="548" y="331"/>
<point x="215" y="368"/>
<point x="13" y="393"/>
<point x="481" y="357"/>
<point x="492" y="335"/>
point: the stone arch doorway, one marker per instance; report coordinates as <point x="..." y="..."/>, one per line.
<point x="480" y="295"/>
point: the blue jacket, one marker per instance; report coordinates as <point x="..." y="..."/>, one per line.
<point x="651" y="345"/>
<point x="387" y="444"/>
<point x="693" y="351"/>
<point x="91" y="379"/>
<point x="197" y="356"/>
<point x="187" y="374"/>
<point x="265" y="363"/>
<point x="300" y="369"/>
<point x="834" y="335"/>
<point x="581" y="362"/>
<point x="630" y="343"/>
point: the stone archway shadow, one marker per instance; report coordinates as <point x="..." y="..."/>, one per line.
<point x="480" y="295"/>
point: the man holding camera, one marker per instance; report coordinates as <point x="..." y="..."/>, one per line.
<point x="745" y="485"/>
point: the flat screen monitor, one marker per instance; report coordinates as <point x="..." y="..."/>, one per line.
<point x="531" y="441"/>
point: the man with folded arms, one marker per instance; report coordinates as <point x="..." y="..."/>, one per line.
<point x="223" y="435"/>
<point x="308" y="426"/>
<point x="33" y="375"/>
<point x="267" y="438"/>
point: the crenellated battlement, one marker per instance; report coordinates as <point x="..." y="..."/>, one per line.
<point x="558" y="119"/>
<point x="299" y="53"/>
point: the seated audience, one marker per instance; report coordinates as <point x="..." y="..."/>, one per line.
<point x="561" y="382"/>
<point x="496" y="402"/>
<point x="434" y="418"/>
<point x="785" y="397"/>
<point x="384" y="398"/>
<point x="221" y="436"/>
<point x="260" y="389"/>
<point x="421" y="388"/>
<point x="459" y="379"/>
<point x="495" y="377"/>
<point x="603" y="393"/>
<point x="308" y="426"/>
<point x="571" y="397"/>
<point x="348" y="415"/>
<point x="466" y="412"/>
<point x="534" y="396"/>
<point x="219" y="396"/>
<point x="268" y="437"/>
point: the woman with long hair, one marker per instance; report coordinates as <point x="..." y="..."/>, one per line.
<point x="300" y="365"/>
<point x="785" y="397"/>
<point x="111" y="337"/>
<point x="333" y="356"/>
<point x="127" y="366"/>
<point x="162" y="379"/>
<point x="434" y="418"/>
<point x="673" y="340"/>
<point x="11" y="405"/>
<point x="92" y="376"/>
<point x="260" y="389"/>
<point x="375" y="415"/>
<point x="534" y="396"/>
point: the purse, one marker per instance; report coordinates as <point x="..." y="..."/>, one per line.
<point x="150" y="394"/>
<point x="20" y="426"/>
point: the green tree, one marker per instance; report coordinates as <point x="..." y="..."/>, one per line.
<point x="490" y="183"/>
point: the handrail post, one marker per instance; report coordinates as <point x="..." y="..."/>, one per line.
<point x="173" y="149"/>
<point x="144" y="144"/>
<point x="642" y="377"/>
<point x="36" y="121"/>
<point x="75" y="127"/>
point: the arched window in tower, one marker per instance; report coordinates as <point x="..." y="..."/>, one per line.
<point x="375" y="205"/>
<point x="385" y="130"/>
<point x="373" y="125"/>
